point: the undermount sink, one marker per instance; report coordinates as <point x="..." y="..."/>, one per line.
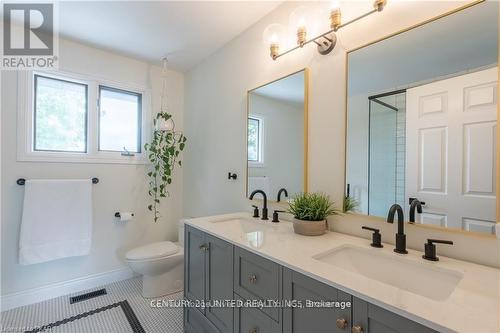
<point x="420" y="278"/>
<point x="247" y="225"/>
<point x="252" y="231"/>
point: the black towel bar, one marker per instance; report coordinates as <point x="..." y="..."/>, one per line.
<point x="22" y="181"/>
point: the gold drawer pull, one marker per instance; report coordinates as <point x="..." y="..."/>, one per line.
<point x="342" y="323"/>
<point x="204" y="247"/>
<point x="357" y="329"/>
<point x="253" y="279"/>
<point x="253" y="330"/>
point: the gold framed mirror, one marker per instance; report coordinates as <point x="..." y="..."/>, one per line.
<point x="277" y="136"/>
<point x="421" y="122"/>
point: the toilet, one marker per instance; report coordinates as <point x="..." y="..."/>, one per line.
<point x="161" y="265"/>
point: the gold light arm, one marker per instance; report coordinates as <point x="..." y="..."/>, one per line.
<point x="335" y="18"/>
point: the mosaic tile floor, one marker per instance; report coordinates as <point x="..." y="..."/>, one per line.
<point x="121" y="310"/>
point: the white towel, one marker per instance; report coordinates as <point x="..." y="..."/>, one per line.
<point x="57" y="220"/>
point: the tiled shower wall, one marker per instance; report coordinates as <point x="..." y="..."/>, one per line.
<point x="400" y="148"/>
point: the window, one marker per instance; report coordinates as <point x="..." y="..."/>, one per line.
<point x="60" y="115"/>
<point x="119" y="120"/>
<point x="75" y="118"/>
<point x="255" y="140"/>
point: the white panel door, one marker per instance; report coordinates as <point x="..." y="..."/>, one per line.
<point x="451" y="128"/>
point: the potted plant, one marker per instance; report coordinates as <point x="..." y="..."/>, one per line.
<point x="350" y="204"/>
<point x="310" y="211"/>
<point x="164" y="155"/>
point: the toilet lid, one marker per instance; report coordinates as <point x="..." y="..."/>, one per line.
<point x="153" y="250"/>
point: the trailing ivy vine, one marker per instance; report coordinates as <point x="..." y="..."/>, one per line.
<point x="163" y="153"/>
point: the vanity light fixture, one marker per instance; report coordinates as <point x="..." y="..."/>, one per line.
<point x="274" y="33"/>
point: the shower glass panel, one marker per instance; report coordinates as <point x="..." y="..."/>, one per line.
<point x="387" y="153"/>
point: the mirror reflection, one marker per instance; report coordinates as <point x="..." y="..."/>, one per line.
<point x="276" y="137"/>
<point x="422" y="121"/>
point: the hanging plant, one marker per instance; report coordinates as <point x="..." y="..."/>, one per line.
<point x="163" y="152"/>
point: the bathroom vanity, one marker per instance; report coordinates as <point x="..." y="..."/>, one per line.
<point x="237" y="257"/>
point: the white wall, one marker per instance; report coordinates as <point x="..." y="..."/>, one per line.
<point x="216" y="110"/>
<point x="283" y="144"/>
<point x="121" y="187"/>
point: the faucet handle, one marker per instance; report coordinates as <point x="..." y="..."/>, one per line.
<point x="430" y="248"/>
<point x="275" y="215"/>
<point x="255" y="211"/>
<point x="376" y="237"/>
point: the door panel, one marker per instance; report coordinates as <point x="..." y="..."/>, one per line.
<point x="432" y="159"/>
<point x="451" y="150"/>
<point x="479" y="158"/>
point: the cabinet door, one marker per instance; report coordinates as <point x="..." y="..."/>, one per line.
<point x="252" y="320"/>
<point x="194" y="322"/>
<point x="195" y="248"/>
<point x="219" y="282"/>
<point x="373" y="319"/>
<point x="257" y="278"/>
<point x="314" y="319"/>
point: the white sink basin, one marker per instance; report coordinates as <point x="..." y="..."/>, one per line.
<point x="250" y="230"/>
<point x="247" y="225"/>
<point x="420" y="278"/>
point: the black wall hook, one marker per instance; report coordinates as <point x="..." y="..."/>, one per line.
<point x="232" y="176"/>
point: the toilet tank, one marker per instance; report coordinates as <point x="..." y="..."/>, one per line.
<point x="181" y="231"/>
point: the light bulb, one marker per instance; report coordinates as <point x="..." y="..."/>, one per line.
<point x="273" y="36"/>
<point x="301" y="24"/>
<point x="335" y="5"/>
<point x="335" y="15"/>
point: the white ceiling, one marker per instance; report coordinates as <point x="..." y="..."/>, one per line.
<point x="289" y="89"/>
<point x="185" y="31"/>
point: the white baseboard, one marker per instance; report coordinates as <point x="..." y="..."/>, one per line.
<point x="54" y="290"/>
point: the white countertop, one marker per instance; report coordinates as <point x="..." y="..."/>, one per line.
<point x="473" y="307"/>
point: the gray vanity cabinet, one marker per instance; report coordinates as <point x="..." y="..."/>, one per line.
<point x="257" y="278"/>
<point x="252" y="320"/>
<point x="217" y="270"/>
<point x="299" y="287"/>
<point x="194" y="264"/>
<point x="369" y="318"/>
<point x="195" y="322"/>
<point x="208" y="275"/>
<point x="219" y="282"/>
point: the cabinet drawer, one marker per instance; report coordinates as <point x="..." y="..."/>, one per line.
<point x="195" y="322"/>
<point x="374" y="319"/>
<point x="257" y="278"/>
<point x="252" y="320"/>
<point x="302" y="288"/>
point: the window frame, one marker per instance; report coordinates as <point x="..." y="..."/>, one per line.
<point x="260" y="141"/>
<point x="26" y="113"/>
<point x="86" y="133"/>
<point x="139" y="117"/>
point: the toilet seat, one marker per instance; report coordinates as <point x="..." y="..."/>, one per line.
<point x="153" y="251"/>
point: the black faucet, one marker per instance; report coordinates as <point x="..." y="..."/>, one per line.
<point x="264" y="209"/>
<point x="376" y="237"/>
<point x="400" y="236"/>
<point x="430" y="249"/>
<point x="283" y="190"/>
<point x="415" y="204"/>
